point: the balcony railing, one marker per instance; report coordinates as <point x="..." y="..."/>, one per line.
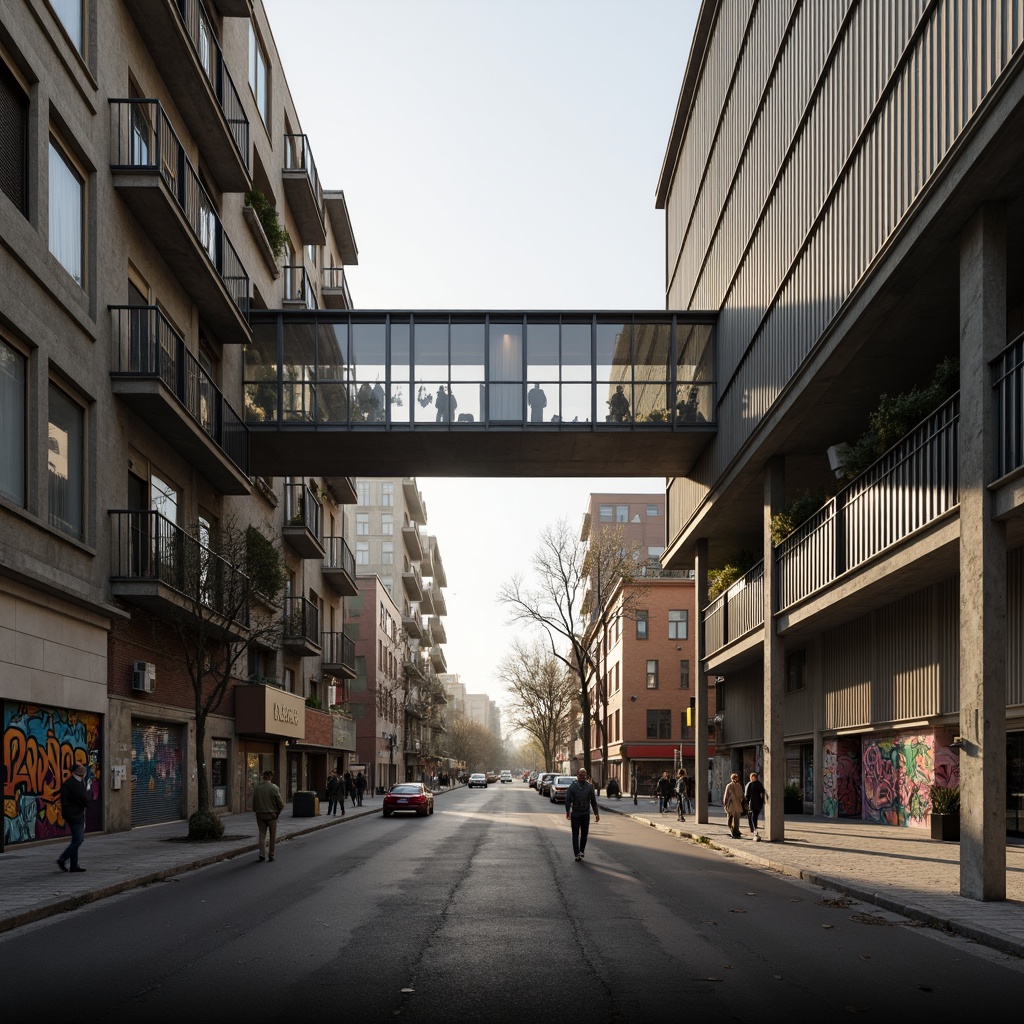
<point x="301" y="625"/>
<point x="211" y="59"/>
<point x="1008" y="382"/>
<point x="142" y="139"/>
<point x="339" y="560"/>
<point x="339" y="651"/>
<point x="147" y="547"/>
<point x="298" y="287"/>
<point x="303" y="508"/>
<point x="336" y="293"/>
<point x="735" y="612"/>
<point x="298" y="156"/>
<point x="912" y="485"/>
<point x="146" y="345"/>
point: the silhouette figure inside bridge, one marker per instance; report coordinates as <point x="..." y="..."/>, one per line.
<point x="446" y="404"/>
<point x="688" y="409"/>
<point x="618" y="406"/>
<point x="537" y="401"/>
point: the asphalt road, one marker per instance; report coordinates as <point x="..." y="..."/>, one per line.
<point x="480" y="913"/>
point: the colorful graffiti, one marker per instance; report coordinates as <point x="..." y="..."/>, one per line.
<point x="848" y="782"/>
<point x="41" y="745"/>
<point x="897" y="775"/>
<point x="829" y="768"/>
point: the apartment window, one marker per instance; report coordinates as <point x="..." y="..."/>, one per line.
<point x="652" y="673"/>
<point x="362" y="524"/>
<point x="387" y="553"/>
<point x="659" y="725"/>
<point x="363" y="492"/>
<point x="289" y="680"/>
<point x="387" y="524"/>
<point x="13" y="140"/>
<point x="387" y="493"/>
<point x="678" y="624"/>
<point x="258" y="73"/>
<point x="684" y="673"/>
<point x="72" y="18"/>
<point x="13" y="368"/>
<point x="66" y="439"/>
<point x="362" y="552"/>
<point x="641" y="625"/>
<point x="653" y="511"/>
<point x="67" y="203"/>
<point x="164" y="497"/>
<point x="622" y="513"/>
<point x="795" y="663"/>
<point x="605" y="513"/>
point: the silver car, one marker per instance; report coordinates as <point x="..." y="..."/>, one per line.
<point x="559" y="786"/>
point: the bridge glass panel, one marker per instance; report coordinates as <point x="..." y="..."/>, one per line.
<point x="695" y="389"/>
<point x="430" y="361"/>
<point x="543" y="399"/>
<point x="260" y="374"/>
<point x="332" y="376"/>
<point x="465" y="401"/>
<point x="652" y="372"/>
<point x="614" y="372"/>
<point x="400" y="375"/>
<point x="298" y="371"/>
<point x="577" y="351"/>
<point x="369" y="365"/>
<point x="505" y="373"/>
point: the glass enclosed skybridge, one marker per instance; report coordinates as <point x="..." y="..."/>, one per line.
<point x="441" y="393"/>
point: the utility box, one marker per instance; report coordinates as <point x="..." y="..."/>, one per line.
<point x="306" y="804"/>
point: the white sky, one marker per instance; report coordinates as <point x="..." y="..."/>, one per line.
<point x="497" y="154"/>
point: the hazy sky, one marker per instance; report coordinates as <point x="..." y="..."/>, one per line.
<point x="495" y="154"/>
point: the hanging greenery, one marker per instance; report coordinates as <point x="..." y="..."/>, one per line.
<point x="277" y="236"/>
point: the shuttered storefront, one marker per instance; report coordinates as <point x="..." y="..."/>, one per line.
<point x="157" y="772"/>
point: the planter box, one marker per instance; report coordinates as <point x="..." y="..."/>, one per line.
<point x="946" y="827"/>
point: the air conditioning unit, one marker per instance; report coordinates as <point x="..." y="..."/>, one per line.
<point x="144" y="676"/>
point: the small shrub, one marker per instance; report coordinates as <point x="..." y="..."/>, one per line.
<point x="945" y="799"/>
<point x="721" y="579"/>
<point x="277" y="236"/>
<point x="204" y="827"/>
<point x="792" y="791"/>
<point x="796" y="513"/>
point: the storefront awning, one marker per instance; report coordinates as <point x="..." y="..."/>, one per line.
<point x="660" y="751"/>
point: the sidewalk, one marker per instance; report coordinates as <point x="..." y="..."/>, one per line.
<point x="898" y="869"/>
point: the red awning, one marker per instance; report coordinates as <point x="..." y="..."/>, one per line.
<point x="660" y="751"/>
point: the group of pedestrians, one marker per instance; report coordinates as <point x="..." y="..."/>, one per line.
<point x="744" y="802"/>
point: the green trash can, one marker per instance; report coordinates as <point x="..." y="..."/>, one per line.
<point x="306" y="804"/>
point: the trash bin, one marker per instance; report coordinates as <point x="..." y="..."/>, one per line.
<point x="306" y="804"/>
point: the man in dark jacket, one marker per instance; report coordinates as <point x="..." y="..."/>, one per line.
<point x="74" y="799"/>
<point x="755" y="796"/>
<point x="360" y="788"/>
<point x="665" y="790"/>
<point x="333" y="787"/>
<point x="580" y="799"/>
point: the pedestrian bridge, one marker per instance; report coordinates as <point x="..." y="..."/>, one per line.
<point x="492" y="393"/>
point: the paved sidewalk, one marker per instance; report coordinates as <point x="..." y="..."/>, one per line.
<point x="899" y="869"/>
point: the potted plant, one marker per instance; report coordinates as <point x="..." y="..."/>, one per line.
<point x="792" y="799"/>
<point x="945" y="815"/>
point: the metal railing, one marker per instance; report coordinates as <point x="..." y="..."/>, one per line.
<point x="303" y="508"/>
<point x="298" y="287"/>
<point x="338" y="555"/>
<point x="735" y="612"/>
<point x="142" y="139"/>
<point x="338" y="648"/>
<point x="912" y="485"/>
<point x="301" y="621"/>
<point x="146" y="345"/>
<point x="298" y="156"/>
<point x="334" y="278"/>
<point x="211" y="58"/>
<point x="147" y="546"/>
<point x="1008" y="382"/>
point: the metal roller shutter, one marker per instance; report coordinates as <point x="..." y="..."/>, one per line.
<point x="157" y="773"/>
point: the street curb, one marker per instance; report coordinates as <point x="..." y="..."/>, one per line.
<point x="878" y="899"/>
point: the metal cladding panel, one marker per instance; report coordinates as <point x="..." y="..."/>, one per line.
<point x="907" y="655"/>
<point x="1015" y="628"/>
<point x="846" y="674"/>
<point x="857" y="113"/>
<point x="948" y="616"/>
<point x="743" y="716"/>
<point x="798" y="709"/>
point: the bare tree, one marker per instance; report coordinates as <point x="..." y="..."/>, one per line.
<point x="473" y="743"/>
<point x="543" y="698"/>
<point x="557" y="600"/>
<point x="228" y="582"/>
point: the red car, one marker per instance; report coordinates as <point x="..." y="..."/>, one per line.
<point x="409" y="796"/>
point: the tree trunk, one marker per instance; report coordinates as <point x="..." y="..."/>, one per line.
<point x="200" y="759"/>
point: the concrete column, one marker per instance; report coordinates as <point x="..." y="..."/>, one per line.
<point x="982" y="564"/>
<point x="700" y="688"/>
<point x="774" y="665"/>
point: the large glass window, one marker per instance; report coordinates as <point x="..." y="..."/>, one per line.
<point x="258" y="74"/>
<point x="12" y="423"/>
<point x="164" y="498"/>
<point x="66" y="213"/>
<point x="66" y="437"/>
<point x="13" y="140"/>
<point x="678" y="624"/>
<point x="71" y="17"/>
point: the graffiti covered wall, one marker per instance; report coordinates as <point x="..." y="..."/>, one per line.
<point x="897" y="773"/>
<point x="41" y="745"/>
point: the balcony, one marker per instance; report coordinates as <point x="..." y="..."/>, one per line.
<point x="413" y="583"/>
<point x="334" y="289"/>
<point x="412" y="624"/>
<point x="299" y="292"/>
<point x="736" y="613"/>
<point x="414" y="501"/>
<point x="300" y="627"/>
<point x="413" y="669"/>
<point x="436" y="598"/>
<point x="302" y="190"/>
<point x="160" y="186"/>
<point x="411" y="536"/>
<point x="182" y="44"/>
<point x="157" y="566"/>
<point x="341" y="225"/>
<point x="438" y="660"/>
<point x="436" y="565"/>
<point x="342" y="488"/>
<point x="158" y="378"/>
<point x="437" y="629"/>
<point x="303" y="521"/>
<point x="339" y="655"/>
<point x="339" y="568"/>
<point x="426" y="602"/>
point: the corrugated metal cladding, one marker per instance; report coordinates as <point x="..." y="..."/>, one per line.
<point x="743" y="716"/>
<point x="795" y="172"/>
<point x="798" y="709"/>
<point x="1015" y="628"/>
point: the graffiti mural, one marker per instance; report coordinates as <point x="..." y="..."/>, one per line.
<point x="848" y="780"/>
<point x="829" y="799"/>
<point x="897" y="775"/>
<point x="41" y="745"/>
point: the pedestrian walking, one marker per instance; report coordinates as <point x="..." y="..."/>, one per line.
<point x="74" y="800"/>
<point x="350" y="788"/>
<point x="333" y="789"/>
<point x="733" y="802"/>
<point x="580" y="800"/>
<point x="267" y="805"/>
<point x="360" y="788"/>
<point x="681" y="783"/>
<point x="756" y="797"/>
<point x="665" y="790"/>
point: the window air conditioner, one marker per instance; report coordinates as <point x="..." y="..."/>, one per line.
<point x="144" y="676"/>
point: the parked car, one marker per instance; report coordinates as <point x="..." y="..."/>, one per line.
<point x="506" y="776"/>
<point x="491" y="777"/>
<point x="559" y="784"/>
<point x="532" y="779"/>
<point x="478" y="779"/>
<point x="408" y="796"/>
<point x="544" y="782"/>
